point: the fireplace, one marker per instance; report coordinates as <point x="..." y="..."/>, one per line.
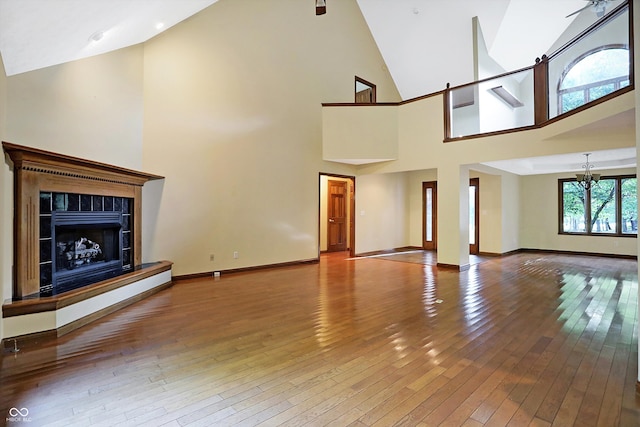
<point x="83" y="239"/>
<point x="62" y="202"/>
<point x="77" y="244"/>
<point x="84" y="254"/>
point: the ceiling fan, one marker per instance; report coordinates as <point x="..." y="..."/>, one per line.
<point x="598" y="6"/>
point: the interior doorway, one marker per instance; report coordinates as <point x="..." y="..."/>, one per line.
<point x="337" y="198"/>
<point x="474" y="216"/>
<point x="430" y="215"/>
<point x="337" y="213"/>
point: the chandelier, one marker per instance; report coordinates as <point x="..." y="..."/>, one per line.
<point x="587" y="179"/>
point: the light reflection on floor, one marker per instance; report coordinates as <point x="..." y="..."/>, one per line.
<point x="420" y="256"/>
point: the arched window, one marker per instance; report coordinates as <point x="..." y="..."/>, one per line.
<point x="593" y="75"/>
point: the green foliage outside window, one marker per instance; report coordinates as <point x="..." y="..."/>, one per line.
<point x="603" y="207"/>
<point x="598" y="74"/>
<point x="600" y="91"/>
<point x="630" y="206"/>
<point x="573" y="196"/>
<point x="571" y="100"/>
<point x="611" y="206"/>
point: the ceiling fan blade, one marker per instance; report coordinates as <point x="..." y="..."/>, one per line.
<point x="580" y="10"/>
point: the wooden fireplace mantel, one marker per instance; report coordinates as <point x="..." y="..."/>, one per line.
<point x="59" y="164"/>
<point x="38" y="170"/>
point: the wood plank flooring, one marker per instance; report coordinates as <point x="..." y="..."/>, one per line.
<point x="418" y="256"/>
<point x="523" y="340"/>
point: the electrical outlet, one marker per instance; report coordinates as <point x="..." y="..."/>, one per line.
<point x="236" y="254"/>
<point x="216" y="274"/>
<point x="211" y="257"/>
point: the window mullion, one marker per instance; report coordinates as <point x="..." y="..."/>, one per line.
<point x="619" y="206"/>
<point x="587" y="210"/>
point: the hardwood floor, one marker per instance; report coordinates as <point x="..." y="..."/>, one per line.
<point x="524" y="340"/>
<point x="419" y="256"/>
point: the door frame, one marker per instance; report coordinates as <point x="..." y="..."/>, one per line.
<point x="434" y="216"/>
<point x="371" y="91"/>
<point x="474" y="249"/>
<point x="352" y="209"/>
<point x="340" y="216"/>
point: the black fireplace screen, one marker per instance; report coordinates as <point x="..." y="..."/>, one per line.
<point x="83" y="239"/>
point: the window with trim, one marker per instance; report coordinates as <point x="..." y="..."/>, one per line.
<point x="593" y="75"/>
<point x="609" y="208"/>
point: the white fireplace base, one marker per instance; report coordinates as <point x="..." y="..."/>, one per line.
<point x="60" y="314"/>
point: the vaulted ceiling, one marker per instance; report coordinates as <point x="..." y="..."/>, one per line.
<point x="39" y="33"/>
<point x="425" y="44"/>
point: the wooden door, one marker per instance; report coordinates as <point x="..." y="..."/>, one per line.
<point x="474" y="216"/>
<point x="364" y="96"/>
<point x="429" y="215"/>
<point x="365" y="91"/>
<point x="337" y="216"/>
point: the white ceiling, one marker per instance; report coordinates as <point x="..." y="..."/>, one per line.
<point x="429" y="43"/>
<point x="606" y="159"/>
<point x="425" y="43"/>
<point x="39" y="33"/>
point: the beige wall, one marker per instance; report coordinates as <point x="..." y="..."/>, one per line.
<point x="539" y="219"/>
<point x="421" y="147"/>
<point x="91" y="108"/>
<point x="382" y="212"/>
<point x="511" y="199"/>
<point x="491" y="214"/>
<point x="521" y="212"/>
<point x="499" y="209"/>
<point x="375" y="141"/>
<point x="3" y="99"/>
<point x="6" y="202"/>
<point x="233" y="120"/>
<point x="420" y="136"/>
<point x="515" y="212"/>
<point x="511" y="217"/>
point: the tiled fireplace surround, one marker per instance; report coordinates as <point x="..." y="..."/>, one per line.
<point x="47" y="184"/>
<point x="69" y="209"/>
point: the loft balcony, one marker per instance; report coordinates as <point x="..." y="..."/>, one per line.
<point x="592" y="70"/>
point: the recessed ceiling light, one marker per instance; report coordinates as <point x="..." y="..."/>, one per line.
<point x="96" y="37"/>
<point x="159" y="25"/>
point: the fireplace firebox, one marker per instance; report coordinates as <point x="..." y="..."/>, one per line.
<point x="83" y="239"/>
<point x="86" y="247"/>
